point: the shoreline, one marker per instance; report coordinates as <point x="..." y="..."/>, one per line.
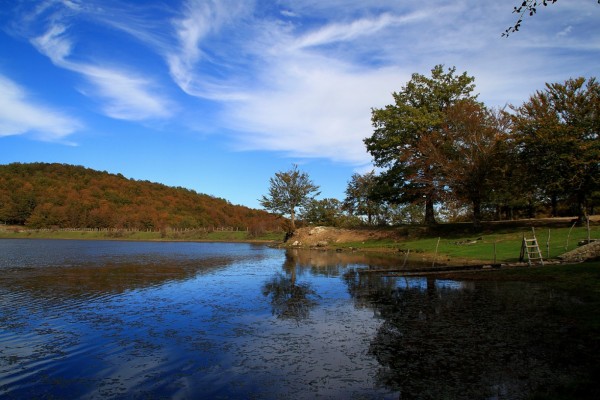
<point x="112" y="239"/>
<point x="447" y="245"/>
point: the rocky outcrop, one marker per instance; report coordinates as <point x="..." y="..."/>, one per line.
<point x="583" y="253"/>
<point x="324" y="236"/>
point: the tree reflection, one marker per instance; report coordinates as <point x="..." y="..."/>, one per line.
<point x="486" y="341"/>
<point x="89" y="279"/>
<point x="290" y="299"/>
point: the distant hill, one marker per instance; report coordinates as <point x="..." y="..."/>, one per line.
<point x="41" y="195"/>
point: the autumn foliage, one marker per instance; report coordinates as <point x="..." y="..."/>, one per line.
<point x="40" y="195"/>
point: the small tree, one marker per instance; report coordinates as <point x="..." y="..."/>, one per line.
<point x="289" y="191"/>
<point x="359" y="197"/>
<point x="326" y="212"/>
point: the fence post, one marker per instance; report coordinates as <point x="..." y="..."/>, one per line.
<point x="548" y="245"/>
<point x="436" y="250"/>
<point x="569" y="235"/>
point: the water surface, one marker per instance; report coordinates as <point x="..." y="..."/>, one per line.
<point x="103" y="319"/>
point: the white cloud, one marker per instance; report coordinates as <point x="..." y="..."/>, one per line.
<point x="19" y="115"/>
<point x="200" y="21"/>
<point x="565" y="32"/>
<point x="299" y="100"/>
<point x="301" y="76"/>
<point x="289" y="14"/>
<point x="344" y="32"/>
<point x="54" y="43"/>
<point x="124" y="95"/>
<point x="319" y="82"/>
<point x="322" y="109"/>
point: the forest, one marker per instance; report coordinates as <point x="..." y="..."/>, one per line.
<point x="42" y="195"/>
<point x="442" y="154"/>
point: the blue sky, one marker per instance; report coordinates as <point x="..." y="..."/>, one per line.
<point x="217" y="96"/>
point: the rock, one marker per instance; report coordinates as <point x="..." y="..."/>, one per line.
<point x="317" y="230"/>
<point x="296" y="243"/>
<point x="322" y="243"/>
<point x="586" y="252"/>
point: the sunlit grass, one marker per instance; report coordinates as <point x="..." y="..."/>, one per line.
<point x="449" y="244"/>
<point x="506" y="247"/>
<point x="191" y="235"/>
<point x="489" y="247"/>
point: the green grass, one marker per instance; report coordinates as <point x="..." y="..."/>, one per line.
<point x="500" y="243"/>
<point x="501" y="247"/>
<point x="217" y="236"/>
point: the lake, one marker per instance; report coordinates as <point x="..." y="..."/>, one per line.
<point x="112" y="320"/>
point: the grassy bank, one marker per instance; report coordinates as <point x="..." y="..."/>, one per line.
<point x="192" y="235"/>
<point x="501" y="245"/>
<point x="447" y="243"/>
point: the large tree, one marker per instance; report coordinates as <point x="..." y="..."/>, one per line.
<point x="288" y="191"/>
<point x="469" y="150"/>
<point x="557" y="131"/>
<point x="418" y="114"/>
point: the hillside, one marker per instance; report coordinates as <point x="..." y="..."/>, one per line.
<point x="41" y="195"/>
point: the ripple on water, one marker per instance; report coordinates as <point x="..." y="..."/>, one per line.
<point x="202" y="321"/>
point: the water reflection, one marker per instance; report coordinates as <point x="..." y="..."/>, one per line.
<point x="59" y="270"/>
<point x="330" y="263"/>
<point x="290" y="299"/>
<point x="154" y="320"/>
<point x="465" y="341"/>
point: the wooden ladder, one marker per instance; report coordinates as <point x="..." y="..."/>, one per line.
<point x="531" y="248"/>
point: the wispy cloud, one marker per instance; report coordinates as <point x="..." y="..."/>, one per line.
<point x="20" y="115"/>
<point x="322" y="110"/>
<point x="565" y="32"/>
<point x="55" y="44"/>
<point x="301" y="76"/>
<point x="199" y="22"/>
<point x="123" y="94"/>
<point x="343" y="32"/>
<point x="126" y="96"/>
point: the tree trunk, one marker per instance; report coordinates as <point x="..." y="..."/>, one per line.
<point x="476" y="213"/>
<point x="292" y="221"/>
<point x="554" y="204"/>
<point x="429" y="211"/>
